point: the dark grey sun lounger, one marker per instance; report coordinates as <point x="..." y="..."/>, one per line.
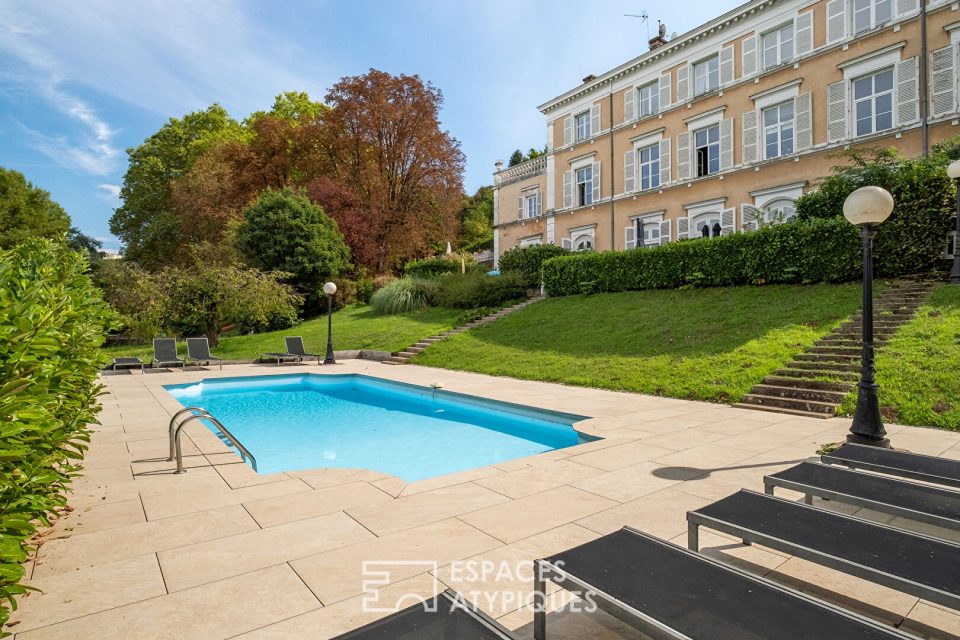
<point x="281" y="357"/>
<point x="668" y="592"/>
<point x="897" y="463"/>
<point x="131" y="363"/>
<point x="165" y="352"/>
<point x="444" y="617"/>
<point x="908" y="562"/>
<point x="295" y="346"/>
<point x="198" y="350"/>
<point x="919" y="502"/>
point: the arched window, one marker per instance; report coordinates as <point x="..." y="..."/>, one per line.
<point x="706" y="225"/>
<point x="779" y="211"/>
<point x="583" y="242"/>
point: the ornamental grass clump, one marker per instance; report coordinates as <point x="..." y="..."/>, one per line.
<point x="403" y="295"/>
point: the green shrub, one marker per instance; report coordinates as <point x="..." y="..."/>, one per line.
<point x="480" y="244"/>
<point x="475" y="290"/>
<point x="527" y="262"/>
<point x="348" y="292"/>
<point x="440" y="265"/>
<point x="803" y="252"/>
<point x="404" y="294"/>
<point x="52" y="323"/>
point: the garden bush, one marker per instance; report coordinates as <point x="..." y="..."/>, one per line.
<point x="404" y="294"/>
<point x="440" y="265"/>
<point x="52" y="323"/>
<point x="801" y="253"/>
<point x="527" y="262"/>
<point x="475" y="290"/>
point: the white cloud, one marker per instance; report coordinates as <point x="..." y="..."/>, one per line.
<point x="112" y="191"/>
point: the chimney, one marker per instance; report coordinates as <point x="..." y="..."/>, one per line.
<point x="660" y="39"/>
<point x="589" y="78"/>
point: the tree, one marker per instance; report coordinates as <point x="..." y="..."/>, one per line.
<point x="391" y="152"/>
<point x="293" y="106"/>
<point x="91" y="247"/>
<point x="284" y="231"/>
<point x="27" y="212"/>
<point x="476" y="219"/>
<point x="516" y="158"/>
<point x="147" y="221"/>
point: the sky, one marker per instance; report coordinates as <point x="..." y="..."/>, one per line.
<point x="81" y="82"/>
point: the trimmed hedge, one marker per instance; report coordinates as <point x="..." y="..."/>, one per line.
<point x="476" y="290"/>
<point x="436" y="267"/>
<point x="52" y="323"/>
<point x="527" y="262"/>
<point x="804" y="252"/>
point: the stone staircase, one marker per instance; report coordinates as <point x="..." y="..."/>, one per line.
<point x="402" y="357"/>
<point x="815" y="383"/>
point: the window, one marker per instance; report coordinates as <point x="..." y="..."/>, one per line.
<point x="706" y="75"/>
<point x="581" y="123"/>
<point x="868" y="14"/>
<point x="707" y="225"/>
<point x="531" y="205"/>
<point x="778" y="130"/>
<point x="649" y="166"/>
<point x="706" y="145"/>
<point x="529" y="242"/>
<point x="873" y="103"/>
<point x="584" y="193"/>
<point x="583" y="243"/>
<point x="649" y="233"/>
<point x="777" y="46"/>
<point x="649" y="99"/>
<point x="779" y="211"/>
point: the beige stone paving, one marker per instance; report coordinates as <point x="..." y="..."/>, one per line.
<point x="223" y="552"/>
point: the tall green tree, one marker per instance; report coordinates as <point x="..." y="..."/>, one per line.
<point x="284" y="231"/>
<point x="476" y="219"/>
<point x="147" y="221"/>
<point x="27" y="212"/>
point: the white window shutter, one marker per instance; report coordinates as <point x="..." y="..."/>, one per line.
<point x="836" y="21"/>
<point x="750" y="145"/>
<point x="629" y="100"/>
<point x="803" y="122"/>
<point x="942" y="82"/>
<point x="596" y="182"/>
<point x="728" y="221"/>
<point x="630" y="237"/>
<point x="539" y="203"/>
<point x="748" y="217"/>
<point x="567" y="189"/>
<point x="566" y="243"/>
<point x="594" y="120"/>
<point x="683" y="156"/>
<point x="665" y="232"/>
<point x="803" y="38"/>
<point x="683" y="228"/>
<point x="665" y="162"/>
<point x="520" y="208"/>
<point x="683" y="83"/>
<point x="665" y="98"/>
<point x="908" y="92"/>
<point x="567" y="130"/>
<point x="726" y="144"/>
<point x="629" y="171"/>
<point x="837" y="111"/>
<point x="906" y="7"/>
<point x="749" y="56"/>
<point x="726" y="65"/>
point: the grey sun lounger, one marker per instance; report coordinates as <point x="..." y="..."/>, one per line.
<point x="198" y="350"/>
<point x="127" y="362"/>
<point x="668" y="592"/>
<point x="897" y="463"/>
<point x="909" y="562"/>
<point x="165" y="352"/>
<point x="919" y="502"/>
<point x="295" y="346"/>
<point x="281" y="357"/>
<point x="444" y="617"/>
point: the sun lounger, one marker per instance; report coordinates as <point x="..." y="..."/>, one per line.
<point x="198" y="350"/>
<point x="897" y="463"/>
<point x="130" y="363"/>
<point x="281" y="357"/>
<point x="666" y="591"/>
<point x="295" y="346"/>
<point x="445" y="617"/>
<point x="919" y="565"/>
<point x="165" y="352"/>
<point x="919" y="502"/>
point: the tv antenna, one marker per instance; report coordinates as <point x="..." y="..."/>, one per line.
<point x="644" y="19"/>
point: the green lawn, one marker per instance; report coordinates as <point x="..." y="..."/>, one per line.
<point x="355" y="327"/>
<point x="707" y="344"/>
<point x="919" y="369"/>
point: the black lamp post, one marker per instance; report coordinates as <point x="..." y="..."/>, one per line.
<point x="329" y="289"/>
<point x="867" y="207"/>
<point x="953" y="170"/>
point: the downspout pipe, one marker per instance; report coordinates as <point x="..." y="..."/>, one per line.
<point x="613" y="230"/>
<point x="924" y="86"/>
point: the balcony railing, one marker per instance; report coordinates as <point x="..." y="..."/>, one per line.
<point x="527" y="169"/>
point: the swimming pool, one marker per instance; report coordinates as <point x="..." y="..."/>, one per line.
<point x="306" y="421"/>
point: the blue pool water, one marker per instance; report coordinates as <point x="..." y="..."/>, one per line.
<point x="306" y="421"/>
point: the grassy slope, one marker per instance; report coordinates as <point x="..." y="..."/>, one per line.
<point x="919" y="369"/>
<point x="709" y="344"/>
<point x="355" y="327"/>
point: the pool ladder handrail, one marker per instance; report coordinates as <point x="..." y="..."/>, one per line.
<point x="199" y="413"/>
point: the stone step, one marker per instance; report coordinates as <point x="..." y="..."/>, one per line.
<point x="798" y="393"/>
<point x="412" y="350"/>
<point x="406" y="354"/>
<point x="803" y="373"/>
<point x="777" y="402"/>
<point x="423" y="344"/>
<point x="827" y="368"/>
<point x="803" y="383"/>
<point x="395" y="360"/>
<point x="834" y="350"/>
<point x="824" y="357"/>
<point x="792" y="412"/>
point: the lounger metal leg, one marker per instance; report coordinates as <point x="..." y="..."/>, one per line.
<point x="693" y="536"/>
<point x="808" y="498"/>
<point x="768" y="489"/>
<point x="539" y="603"/>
